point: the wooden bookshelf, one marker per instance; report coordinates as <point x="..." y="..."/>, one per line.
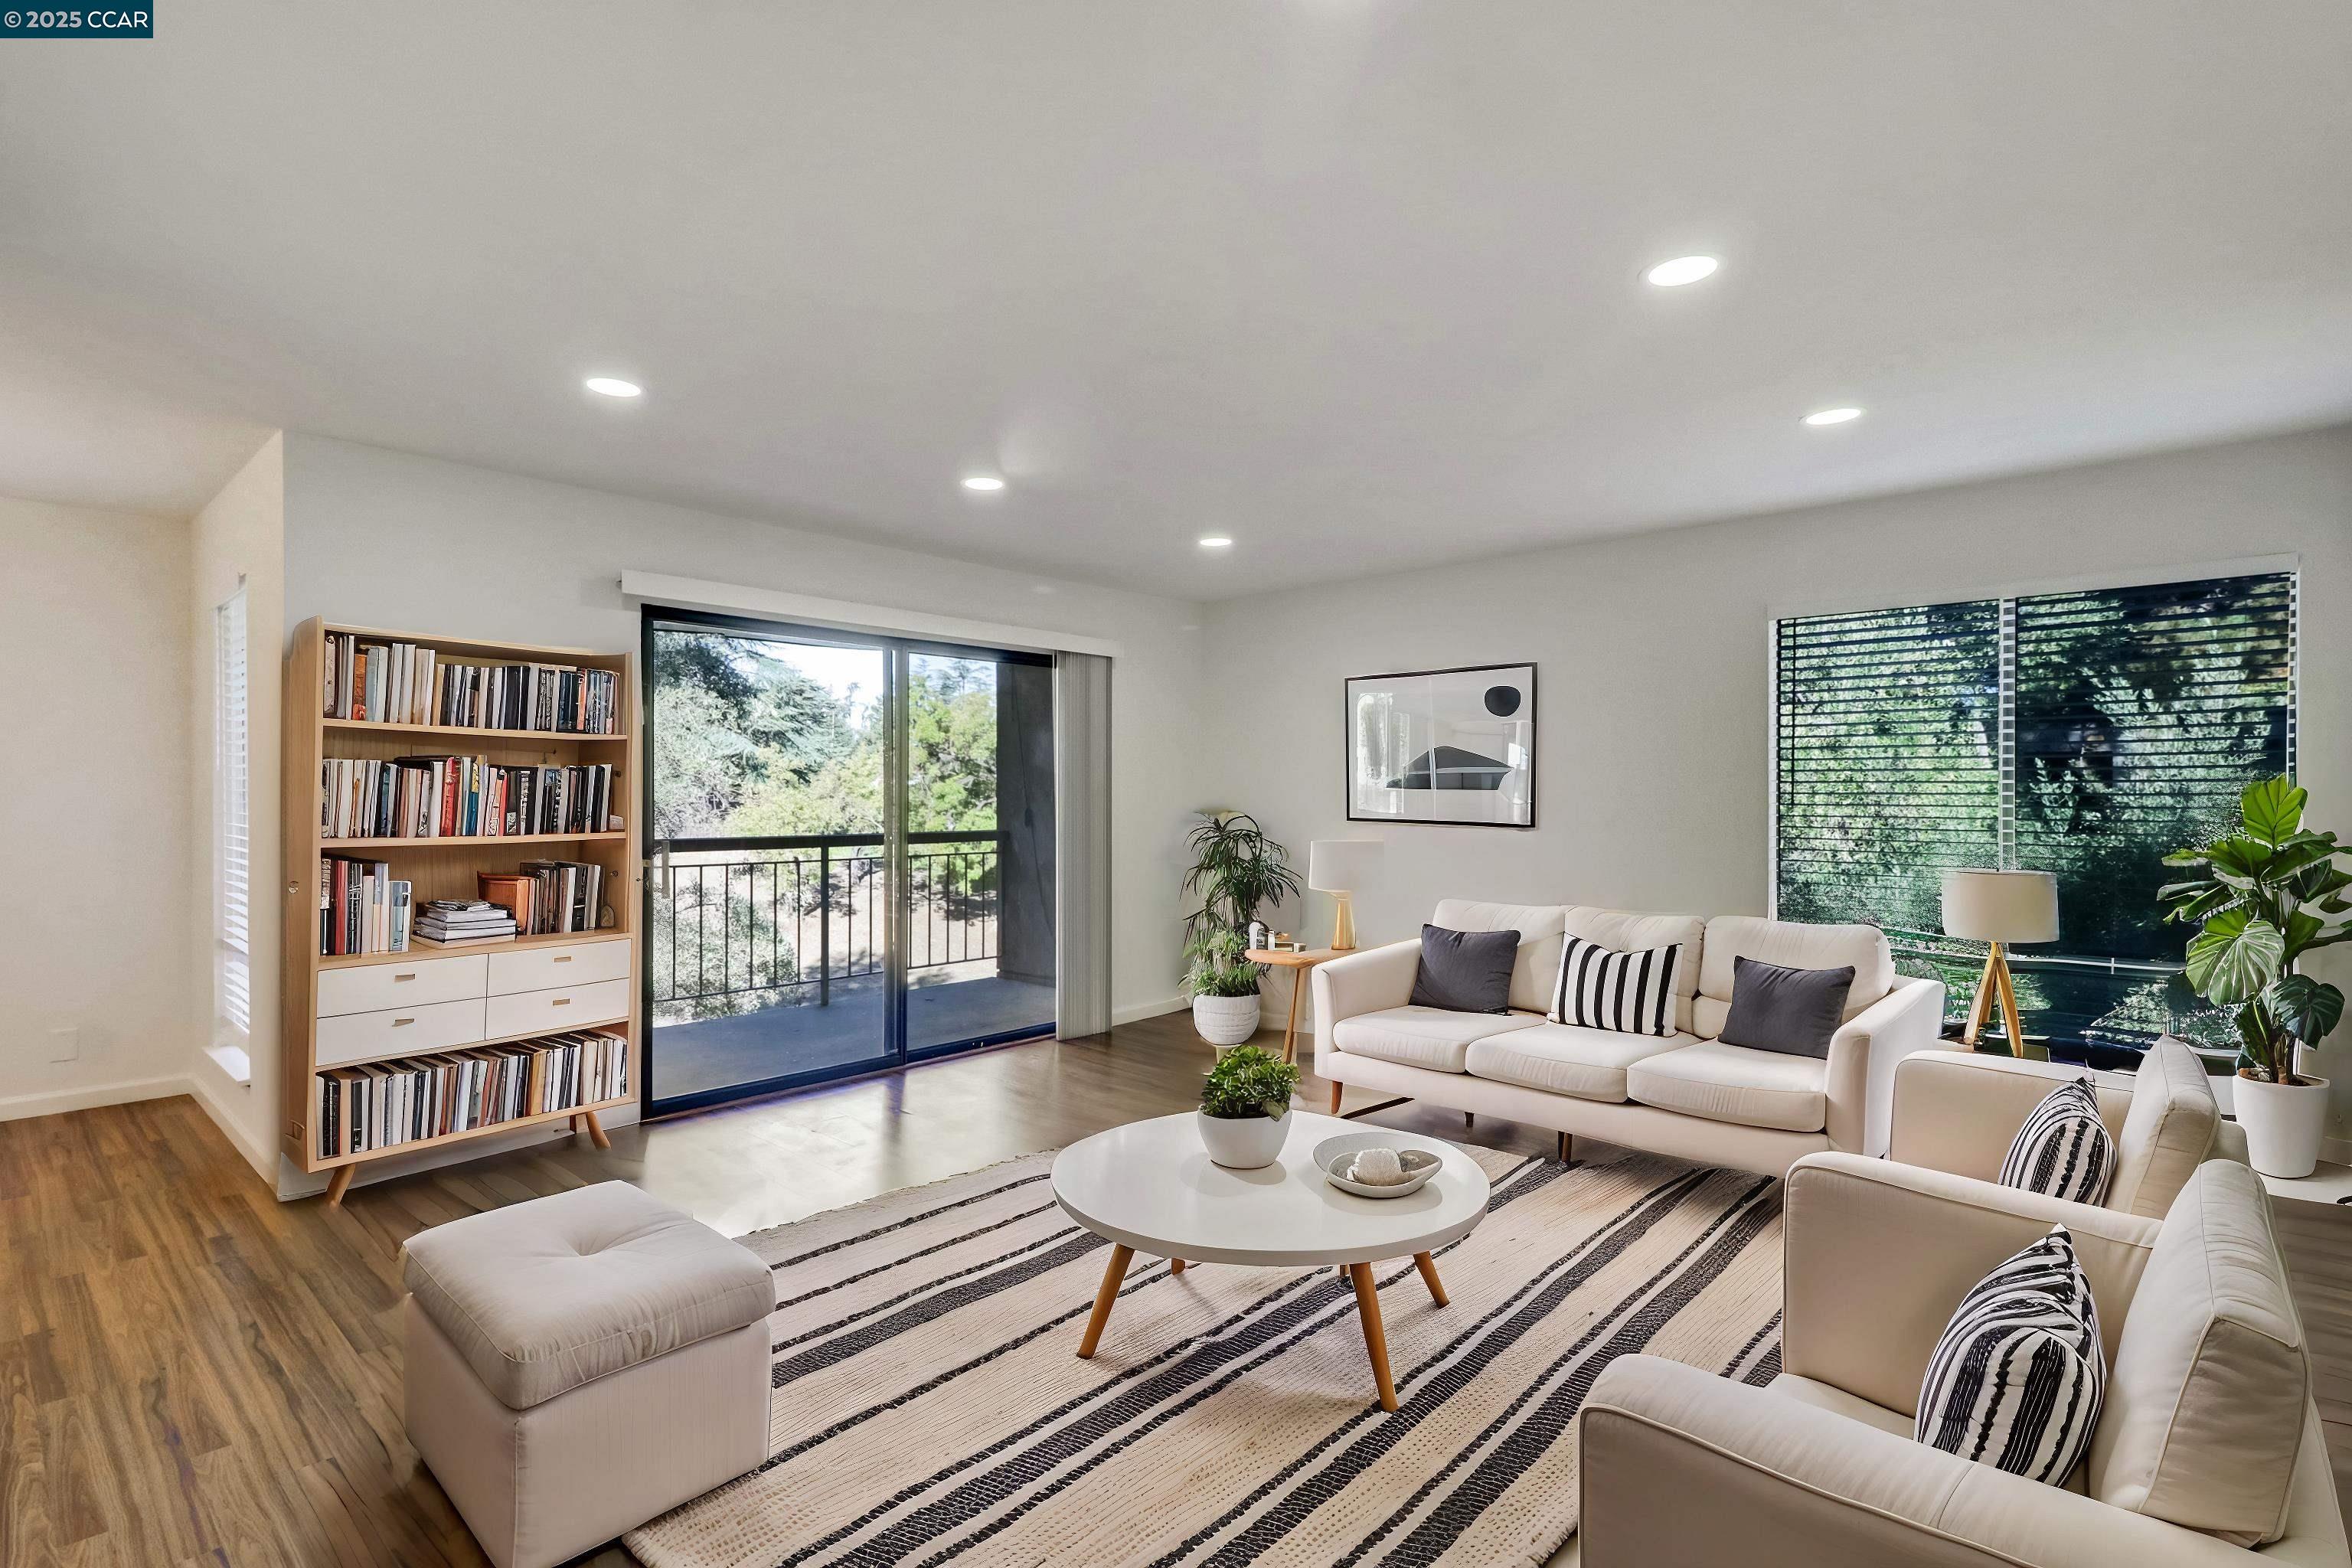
<point x="446" y="868"/>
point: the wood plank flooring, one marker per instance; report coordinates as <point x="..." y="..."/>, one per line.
<point x="194" y="1373"/>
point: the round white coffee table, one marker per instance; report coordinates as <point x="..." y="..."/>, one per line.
<point x="1150" y="1187"/>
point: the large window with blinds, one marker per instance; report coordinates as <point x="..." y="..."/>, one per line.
<point x="2083" y="733"/>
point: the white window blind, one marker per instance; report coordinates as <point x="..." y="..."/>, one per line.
<point x="233" y="857"/>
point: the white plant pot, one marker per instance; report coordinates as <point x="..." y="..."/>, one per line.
<point x="1243" y="1142"/>
<point x="1225" y="1020"/>
<point x="2283" y="1123"/>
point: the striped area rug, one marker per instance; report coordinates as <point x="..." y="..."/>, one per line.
<point x="928" y="1407"/>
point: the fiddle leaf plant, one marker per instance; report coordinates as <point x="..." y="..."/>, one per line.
<point x="1247" y="1081"/>
<point x="2269" y="893"/>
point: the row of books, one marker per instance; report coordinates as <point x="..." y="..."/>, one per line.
<point x="548" y="896"/>
<point x="460" y="798"/>
<point x="402" y="683"/>
<point x="363" y="906"/>
<point x="379" y="1105"/>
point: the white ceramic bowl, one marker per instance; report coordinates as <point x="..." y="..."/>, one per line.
<point x="1334" y="1155"/>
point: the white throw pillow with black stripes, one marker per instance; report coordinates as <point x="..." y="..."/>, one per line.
<point x="2063" y="1150"/>
<point x="2018" y="1377"/>
<point x="1628" y="993"/>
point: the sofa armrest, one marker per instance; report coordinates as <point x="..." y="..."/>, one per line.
<point x="1958" y="1110"/>
<point x="1371" y="980"/>
<point x="1864" y="1054"/>
<point x="1877" y="1255"/>
<point x="1681" y="1466"/>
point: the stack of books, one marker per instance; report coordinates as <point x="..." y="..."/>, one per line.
<point x="452" y="920"/>
<point x="380" y="1104"/>
<point x="460" y="798"/>
<point x="363" y="906"/>
<point x="566" y="896"/>
<point x="401" y="683"/>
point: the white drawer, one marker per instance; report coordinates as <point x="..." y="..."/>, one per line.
<point x="545" y="968"/>
<point x="356" y="1037"/>
<point x="550" y="1012"/>
<point x="373" y="987"/>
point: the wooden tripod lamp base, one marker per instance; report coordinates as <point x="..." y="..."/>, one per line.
<point x="1995" y="982"/>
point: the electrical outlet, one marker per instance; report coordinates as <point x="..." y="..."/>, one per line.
<point x="65" y="1044"/>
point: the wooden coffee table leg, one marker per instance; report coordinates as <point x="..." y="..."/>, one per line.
<point x="1428" y="1266"/>
<point x="1105" y="1299"/>
<point x="1376" y="1341"/>
<point x="1175" y="1265"/>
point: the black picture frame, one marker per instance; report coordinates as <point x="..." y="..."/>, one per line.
<point x="1522" y="817"/>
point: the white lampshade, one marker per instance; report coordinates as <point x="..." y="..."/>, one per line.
<point x="2000" y="906"/>
<point x="1341" y="865"/>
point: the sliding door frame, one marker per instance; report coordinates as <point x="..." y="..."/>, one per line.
<point x="898" y="881"/>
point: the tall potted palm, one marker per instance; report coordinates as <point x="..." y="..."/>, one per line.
<point x="2269" y="893"/>
<point x="1236" y="871"/>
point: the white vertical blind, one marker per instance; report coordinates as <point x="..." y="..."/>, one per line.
<point x="232" y="868"/>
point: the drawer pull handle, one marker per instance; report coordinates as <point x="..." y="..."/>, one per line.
<point x="402" y="1022"/>
<point x="562" y="958"/>
<point x="561" y="1001"/>
<point x="408" y="976"/>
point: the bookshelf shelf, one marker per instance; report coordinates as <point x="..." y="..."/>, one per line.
<point x="446" y="868"/>
<point x="425" y="945"/>
<point x="337" y="846"/>
<point x="567" y="737"/>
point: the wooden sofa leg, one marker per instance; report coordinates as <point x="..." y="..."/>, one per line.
<point x="1336" y="1090"/>
<point x="1566" y="1144"/>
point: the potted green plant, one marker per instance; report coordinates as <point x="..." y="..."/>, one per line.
<point x="2271" y="892"/>
<point x="1245" y="1107"/>
<point x="1237" y="868"/>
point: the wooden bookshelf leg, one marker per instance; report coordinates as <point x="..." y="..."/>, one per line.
<point x="1104" y="1299"/>
<point x="339" y="1184"/>
<point x="587" y="1122"/>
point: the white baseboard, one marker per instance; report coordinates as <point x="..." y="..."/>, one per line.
<point x="1135" y="1012"/>
<point x="56" y="1102"/>
<point x="264" y="1161"/>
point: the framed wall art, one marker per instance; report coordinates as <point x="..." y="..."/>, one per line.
<point x="1443" y="745"/>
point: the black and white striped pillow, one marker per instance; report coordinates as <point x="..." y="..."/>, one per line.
<point x="2063" y="1150"/>
<point x="1630" y="993"/>
<point x="2018" y="1377"/>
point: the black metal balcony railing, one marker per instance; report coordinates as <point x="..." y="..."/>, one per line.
<point x="746" y="922"/>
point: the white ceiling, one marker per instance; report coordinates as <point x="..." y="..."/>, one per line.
<point x="1354" y="281"/>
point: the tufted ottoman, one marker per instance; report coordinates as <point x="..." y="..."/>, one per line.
<point x="579" y="1363"/>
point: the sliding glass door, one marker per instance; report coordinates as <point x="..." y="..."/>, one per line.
<point x="851" y="858"/>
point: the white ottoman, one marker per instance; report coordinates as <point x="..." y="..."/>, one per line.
<point x="579" y="1363"/>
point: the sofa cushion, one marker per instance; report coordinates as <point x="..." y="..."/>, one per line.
<point x="541" y="1296"/>
<point x="2168" y="1132"/>
<point x="2063" y="1150"/>
<point x="1626" y="930"/>
<point x="1791" y="946"/>
<point x="1602" y="988"/>
<point x="2017" y="1377"/>
<point x="1732" y="1083"/>
<point x="1538" y="925"/>
<point x="1774" y="1008"/>
<point x="2205" y="1404"/>
<point x="1829" y="1396"/>
<point x="1464" y="970"/>
<point x="1560" y="1059"/>
<point x="1422" y="1037"/>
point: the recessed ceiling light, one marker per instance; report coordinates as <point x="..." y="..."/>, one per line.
<point x="614" y="387"/>
<point x="982" y="482"/>
<point x="1682" y="270"/>
<point x="1215" y="541"/>
<point x="1833" y="416"/>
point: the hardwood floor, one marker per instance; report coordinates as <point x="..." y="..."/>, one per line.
<point x="194" y="1373"/>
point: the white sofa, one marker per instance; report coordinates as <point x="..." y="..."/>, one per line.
<point x="1687" y="1094"/>
<point x="2208" y="1452"/>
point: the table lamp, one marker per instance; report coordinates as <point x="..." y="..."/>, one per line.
<point x="1999" y="907"/>
<point x="1338" y="867"/>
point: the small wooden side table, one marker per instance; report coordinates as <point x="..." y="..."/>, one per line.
<point x="1298" y="963"/>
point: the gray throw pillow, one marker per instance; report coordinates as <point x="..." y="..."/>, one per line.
<point x="1791" y="1011"/>
<point x="1466" y="970"/>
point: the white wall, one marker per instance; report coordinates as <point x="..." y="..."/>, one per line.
<point x="239" y="536"/>
<point x="1653" y="686"/>
<point x="93" y="807"/>
<point x="385" y="539"/>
